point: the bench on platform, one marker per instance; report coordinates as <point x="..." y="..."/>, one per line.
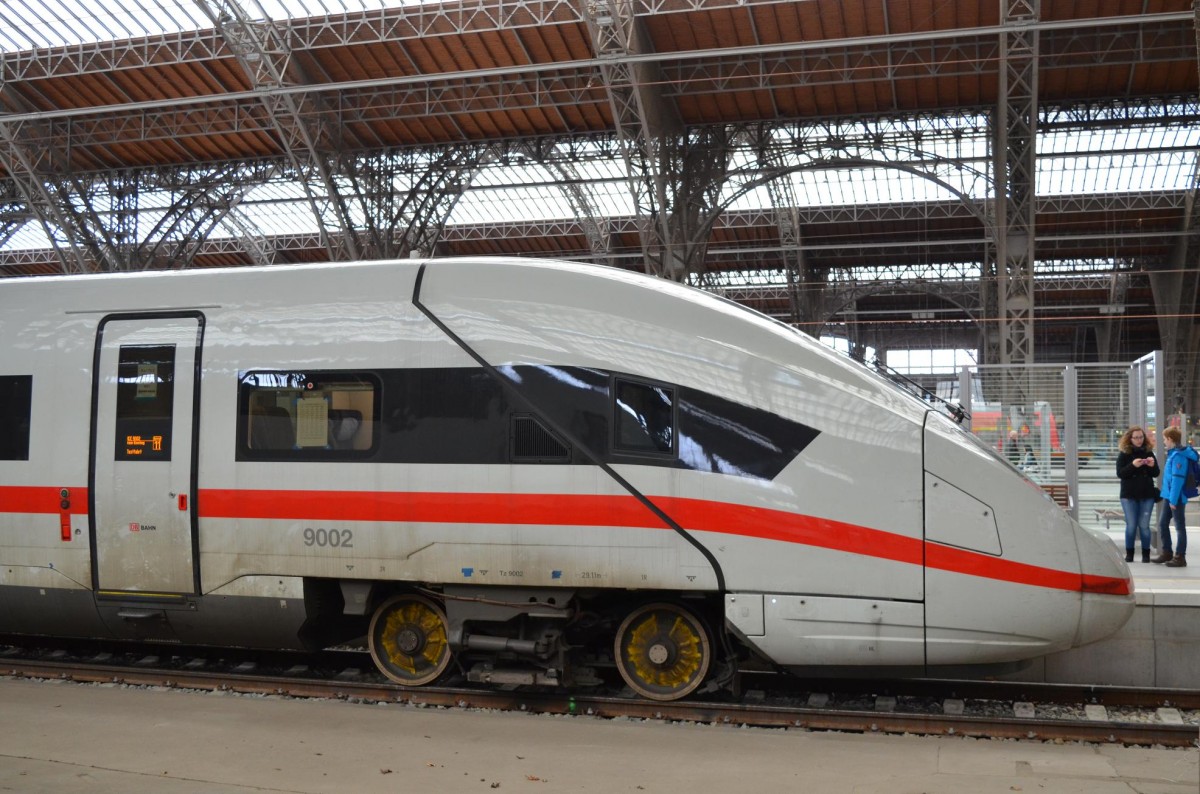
<point x="1107" y="515"/>
<point x="1058" y="492"/>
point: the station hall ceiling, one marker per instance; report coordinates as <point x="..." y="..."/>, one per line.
<point x="148" y="133"/>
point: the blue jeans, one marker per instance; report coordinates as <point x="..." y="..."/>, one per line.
<point x="1137" y="522"/>
<point x="1164" y="528"/>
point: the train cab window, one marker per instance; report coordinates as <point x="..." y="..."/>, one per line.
<point x="307" y="415"/>
<point x="644" y="418"/>
<point x="16" y="406"/>
<point x="145" y="402"/>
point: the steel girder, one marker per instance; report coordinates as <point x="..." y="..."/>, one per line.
<point x="263" y="250"/>
<point x="805" y="293"/>
<point x="966" y="130"/>
<point x="367" y="205"/>
<point x="393" y="25"/>
<point x="843" y="214"/>
<point x="905" y="142"/>
<point x="104" y="222"/>
<point x="1014" y="190"/>
<point x="683" y="232"/>
<point x="579" y="197"/>
<point x="1153" y="112"/>
<point x="1108" y="331"/>
<point x="245" y="179"/>
<point x="1179" y="289"/>
<point x="137" y="220"/>
<point x="405" y="196"/>
<point x="362" y="106"/>
<point x="14" y="210"/>
<point x="845" y="293"/>
<point x="1155" y="42"/>
<point x="29" y="169"/>
<point x="307" y="132"/>
<point x="699" y="167"/>
<point x="957" y="283"/>
<point x="1104" y="41"/>
<point x="1176" y="289"/>
<point x="643" y="122"/>
<point x="1067" y="275"/>
<point x="39" y="197"/>
<point x="675" y="175"/>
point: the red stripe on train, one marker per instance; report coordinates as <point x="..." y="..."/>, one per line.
<point x="948" y="558"/>
<point x="584" y="510"/>
<point x="830" y="534"/>
<point x="627" y="511"/>
<point x="431" y="508"/>
<point x="41" y="499"/>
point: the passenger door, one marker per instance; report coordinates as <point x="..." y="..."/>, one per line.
<point x="144" y="431"/>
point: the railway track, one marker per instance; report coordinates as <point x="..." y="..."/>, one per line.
<point x="948" y="708"/>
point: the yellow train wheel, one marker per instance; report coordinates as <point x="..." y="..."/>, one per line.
<point x="408" y="640"/>
<point x="662" y="651"/>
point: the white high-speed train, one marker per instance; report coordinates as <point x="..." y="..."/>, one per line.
<point x="527" y="469"/>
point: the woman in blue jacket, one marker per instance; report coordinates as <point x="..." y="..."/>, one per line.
<point x="1174" y="474"/>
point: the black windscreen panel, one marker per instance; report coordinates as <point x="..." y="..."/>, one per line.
<point x="724" y="437"/>
<point x="16" y="403"/>
<point x="532" y="442"/>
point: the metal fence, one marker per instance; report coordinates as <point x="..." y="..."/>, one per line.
<point x="1060" y="424"/>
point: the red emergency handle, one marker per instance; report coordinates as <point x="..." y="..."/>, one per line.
<point x="183" y="501"/>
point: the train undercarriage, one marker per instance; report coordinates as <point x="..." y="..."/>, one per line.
<point x="663" y="648"/>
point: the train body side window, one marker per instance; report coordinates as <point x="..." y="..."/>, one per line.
<point x="644" y="418"/>
<point x="307" y="415"/>
<point x="16" y="406"/>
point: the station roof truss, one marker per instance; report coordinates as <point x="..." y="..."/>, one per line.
<point x="831" y="162"/>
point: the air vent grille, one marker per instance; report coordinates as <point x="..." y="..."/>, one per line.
<point x="533" y="442"/>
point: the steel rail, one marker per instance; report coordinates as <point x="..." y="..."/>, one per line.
<point x="765" y="716"/>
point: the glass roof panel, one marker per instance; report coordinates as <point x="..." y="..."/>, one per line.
<point x="280" y="216"/>
<point x="31" y="236"/>
<point x="38" y="24"/>
<point x="1116" y="173"/>
<point x="529" y="192"/>
<point x="519" y="188"/>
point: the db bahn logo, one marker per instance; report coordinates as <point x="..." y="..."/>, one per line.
<point x="136" y="527"/>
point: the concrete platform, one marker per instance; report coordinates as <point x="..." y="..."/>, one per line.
<point x="64" y="738"/>
<point x="1159" y="646"/>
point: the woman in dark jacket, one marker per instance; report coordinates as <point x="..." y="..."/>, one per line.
<point x="1137" y="468"/>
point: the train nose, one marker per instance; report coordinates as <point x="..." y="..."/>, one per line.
<point x="1107" y="586"/>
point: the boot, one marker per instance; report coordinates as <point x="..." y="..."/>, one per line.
<point x="1178" y="561"/>
<point x="1128" y="555"/>
<point x="1145" y="555"/>
<point x="1164" y="556"/>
